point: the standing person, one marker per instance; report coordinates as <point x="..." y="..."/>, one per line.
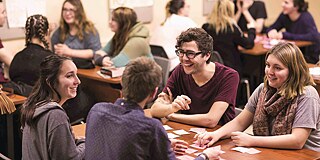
<point x="23" y="77"/>
<point x="250" y="10"/>
<point x="299" y="25"/>
<point x="284" y="111"/>
<point x="177" y="20"/>
<point x="227" y="34"/>
<point x="129" y="41"/>
<point x="139" y="137"/>
<point x="204" y="91"/>
<point x="76" y="36"/>
<point x="47" y="133"/>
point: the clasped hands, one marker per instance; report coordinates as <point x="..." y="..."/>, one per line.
<point x="238" y="138"/>
<point x="63" y="50"/>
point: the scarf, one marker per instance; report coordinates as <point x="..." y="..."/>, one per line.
<point x="273" y="107"/>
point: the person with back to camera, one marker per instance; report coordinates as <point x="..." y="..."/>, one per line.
<point x="23" y="77"/>
<point x="122" y="131"/>
<point x="284" y="110"/>
<point x="204" y="91"/>
<point x="227" y="34"/>
<point x="250" y="10"/>
<point x="129" y="41"/>
<point x="47" y="133"/>
<point x="76" y="36"/>
<point x="177" y="20"/>
<point x="299" y="25"/>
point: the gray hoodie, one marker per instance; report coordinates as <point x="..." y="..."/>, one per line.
<point x="51" y="137"/>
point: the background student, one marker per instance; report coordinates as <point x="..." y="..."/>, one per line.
<point x="76" y="36"/>
<point x="129" y="41"/>
<point x="247" y="11"/>
<point x="177" y="20"/>
<point x="299" y="25"/>
<point x="47" y="132"/>
<point x="284" y="111"/>
<point x="227" y="35"/>
<point x="23" y="77"/>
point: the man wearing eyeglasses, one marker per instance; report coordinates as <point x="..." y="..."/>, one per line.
<point x="204" y="92"/>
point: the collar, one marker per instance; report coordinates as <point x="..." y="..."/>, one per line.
<point x="128" y="104"/>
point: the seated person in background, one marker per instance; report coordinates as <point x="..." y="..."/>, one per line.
<point x="76" y="36"/>
<point x="120" y="130"/>
<point x="129" y="41"/>
<point x="247" y="11"/>
<point x="5" y="56"/>
<point x="284" y="111"/>
<point x="46" y="129"/>
<point x="299" y="25"/>
<point x="203" y="90"/>
<point x="177" y="20"/>
<point x="227" y="35"/>
<point x="25" y="66"/>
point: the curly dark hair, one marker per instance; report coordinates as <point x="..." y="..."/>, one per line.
<point x="203" y="40"/>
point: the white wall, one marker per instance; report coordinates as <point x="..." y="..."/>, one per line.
<point x="97" y="12"/>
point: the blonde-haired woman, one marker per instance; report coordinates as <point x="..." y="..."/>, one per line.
<point x="129" y="41"/>
<point x="76" y="36"/>
<point x="227" y="35"/>
<point x="284" y="111"/>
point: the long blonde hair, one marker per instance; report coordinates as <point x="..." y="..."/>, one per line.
<point x="81" y="22"/>
<point x="222" y="16"/>
<point x="299" y="77"/>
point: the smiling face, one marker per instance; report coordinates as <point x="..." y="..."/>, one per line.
<point x="277" y="73"/>
<point x="68" y="81"/>
<point x="68" y="13"/>
<point x="195" y="65"/>
<point x="288" y="7"/>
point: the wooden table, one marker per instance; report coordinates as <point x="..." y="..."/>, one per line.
<point x="100" y="88"/>
<point x="258" y="48"/>
<point x="17" y="100"/>
<point x="226" y="145"/>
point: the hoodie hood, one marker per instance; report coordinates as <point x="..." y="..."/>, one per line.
<point x="139" y="30"/>
<point x="46" y="107"/>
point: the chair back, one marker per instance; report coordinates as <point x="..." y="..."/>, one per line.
<point x="158" y="51"/>
<point x="215" y="57"/>
<point x="165" y="65"/>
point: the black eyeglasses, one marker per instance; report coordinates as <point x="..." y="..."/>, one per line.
<point x="189" y="54"/>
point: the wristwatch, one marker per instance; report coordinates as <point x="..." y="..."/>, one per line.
<point x="204" y="155"/>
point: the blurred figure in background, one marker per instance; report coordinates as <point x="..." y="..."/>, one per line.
<point x="129" y="41"/>
<point x="76" y="36"/>
<point x="177" y="20"/>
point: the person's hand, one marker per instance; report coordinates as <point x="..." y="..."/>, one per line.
<point x="63" y="49"/>
<point x="213" y="154"/>
<point x="179" y="146"/>
<point x="242" y="139"/>
<point x="273" y="34"/>
<point x="106" y="62"/>
<point x="206" y="138"/>
<point x="181" y="103"/>
<point x="251" y="24"/>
